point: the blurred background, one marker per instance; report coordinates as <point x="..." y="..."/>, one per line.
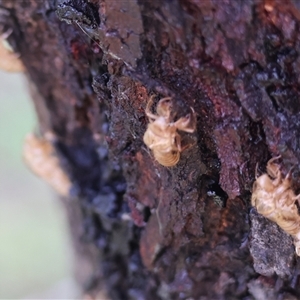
<point x="35" y="252"/>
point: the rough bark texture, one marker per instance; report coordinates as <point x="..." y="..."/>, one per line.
<point x="143" y="230"/>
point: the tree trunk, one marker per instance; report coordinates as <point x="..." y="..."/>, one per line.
<point x="142" y="230"/>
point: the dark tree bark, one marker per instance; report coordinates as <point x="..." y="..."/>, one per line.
<point x="142" y="230"/>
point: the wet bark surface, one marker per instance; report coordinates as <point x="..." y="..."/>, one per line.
<point x="147" y="231"/>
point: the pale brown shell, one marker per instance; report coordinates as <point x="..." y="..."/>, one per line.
<point x="275" y="200"/>
<point x="169" y="159"/>
<point x="9" y="61"/>
<point x="39" y="154"/>
<point x="162" y="135"/>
